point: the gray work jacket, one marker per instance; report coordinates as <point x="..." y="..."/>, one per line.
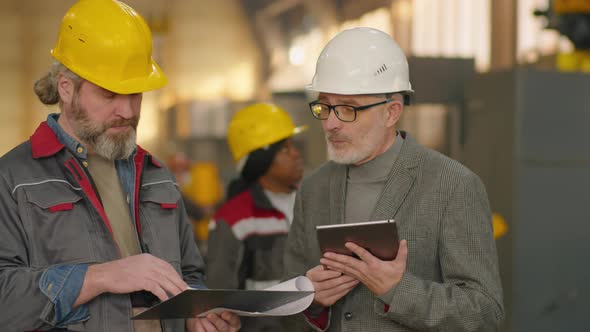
<point x="51" y="214"/>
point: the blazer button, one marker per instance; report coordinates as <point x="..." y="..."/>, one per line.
<point x="348" y="315"/>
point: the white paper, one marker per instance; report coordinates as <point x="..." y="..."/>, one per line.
<point x="296" y="284"/>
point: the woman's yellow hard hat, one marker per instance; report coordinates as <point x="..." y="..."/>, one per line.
<point x="257" y="126"/>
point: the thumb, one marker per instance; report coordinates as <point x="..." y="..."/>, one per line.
<point x="402" y="253"/>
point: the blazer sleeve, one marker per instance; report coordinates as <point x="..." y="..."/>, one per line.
<point x="294" y="255"/>
<point x="470" y="296"/>
<point x="295" y="265"/>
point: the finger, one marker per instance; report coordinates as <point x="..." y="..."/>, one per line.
<point x="315" y="269"/>
<point x="344" y="259"/>
<point x="336" y="296"/>
<point x="199" y="325"/>
<point x="208" y="325"/>
<point x="170" y="273"/>
<point x="156" y="271"/>
<point x="361" y="252"/>
<point x="347" y="279"/>
<point x="344" y="279"/>
<point x="232" y="319"/>
<point x="402" y="254"/>
<point x="164" y="267"/>
<point x="352" y="267"/>
<point x="332" y="298"/>
<point x="218" y="322"/>
<point x="171" y="288"/>
<point x="319" y="273"/>
<point x="348" y="284"/>
<point x="342" y="287"/>
<point x="155" y="288"/>
<point x="331" y="283"/>
<point x="192" y="325"/>
<point x="327" y="274"/>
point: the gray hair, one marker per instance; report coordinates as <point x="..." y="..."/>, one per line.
<point x="402" y="97"/>
<point x="46" y="87"/>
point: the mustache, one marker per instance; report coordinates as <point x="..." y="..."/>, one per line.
<point x="336" y="137"/>
<point x="124" y="122"/>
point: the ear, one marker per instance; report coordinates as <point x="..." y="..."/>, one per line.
<point x="393" y="112"/>
<point x="65" y="88"/>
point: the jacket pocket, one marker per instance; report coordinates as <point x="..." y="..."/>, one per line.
<point x="160" y="214"/>
<point x="56" y="218"/>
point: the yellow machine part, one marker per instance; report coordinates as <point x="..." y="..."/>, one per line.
<point x="571" y="6"/>
<point x="499" y="225"/>
<point x="201" y="229"/>
<point x="577" y="61"/>
<point x="205" y="187"/>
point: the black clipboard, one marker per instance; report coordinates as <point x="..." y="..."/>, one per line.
<point x="380" y="238"/>
<point x="192" y="302"/>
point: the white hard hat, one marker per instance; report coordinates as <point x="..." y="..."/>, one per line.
<point x="361" y="61"/>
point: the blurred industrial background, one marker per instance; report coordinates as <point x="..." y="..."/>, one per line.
<point x="501" y="85"/>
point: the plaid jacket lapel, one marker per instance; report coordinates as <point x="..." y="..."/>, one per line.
<point x="400" y="181"/>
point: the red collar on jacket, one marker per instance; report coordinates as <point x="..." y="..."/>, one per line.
<point x="44" y="143"/>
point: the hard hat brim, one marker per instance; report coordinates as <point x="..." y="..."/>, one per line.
<point x="154" y="80"/>
<point x="296" y="130"/>
<point x="310" y="87"/>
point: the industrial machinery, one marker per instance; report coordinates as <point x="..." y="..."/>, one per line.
<point x="527" y="137"/>
<point x="571" y="18"/>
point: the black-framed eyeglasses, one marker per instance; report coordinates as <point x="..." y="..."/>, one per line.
<point x="345" y="113"/>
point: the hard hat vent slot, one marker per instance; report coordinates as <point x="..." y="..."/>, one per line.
<point x="381" y="70"/>
<point x="82" y="40"/>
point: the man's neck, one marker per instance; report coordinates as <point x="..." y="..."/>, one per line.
<point x="384" y="147"/>
<point x="65" y="125"/>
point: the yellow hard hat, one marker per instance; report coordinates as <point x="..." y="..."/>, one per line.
<point x="108" y="43"/>
<point x="257" y="126"/>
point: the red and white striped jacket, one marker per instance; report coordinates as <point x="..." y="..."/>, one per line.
<point x="246" y="241"/>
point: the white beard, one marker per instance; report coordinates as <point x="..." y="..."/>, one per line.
<point x="363" y="146"/>
<point x="114" y="149"/>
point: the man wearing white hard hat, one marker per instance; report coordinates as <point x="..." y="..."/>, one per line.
<point x="445" y="276"/>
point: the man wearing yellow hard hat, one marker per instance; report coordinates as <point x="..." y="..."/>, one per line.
<point x="92" y="227"/>
<point x="247" y="234"/>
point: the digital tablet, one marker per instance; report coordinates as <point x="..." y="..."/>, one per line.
<point x="380" y="238"/>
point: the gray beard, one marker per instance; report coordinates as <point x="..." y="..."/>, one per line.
<point x="113" y="149"/>
<point x="94" y="135"/>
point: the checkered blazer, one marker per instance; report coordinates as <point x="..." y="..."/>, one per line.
<point x="451" y="281"/>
